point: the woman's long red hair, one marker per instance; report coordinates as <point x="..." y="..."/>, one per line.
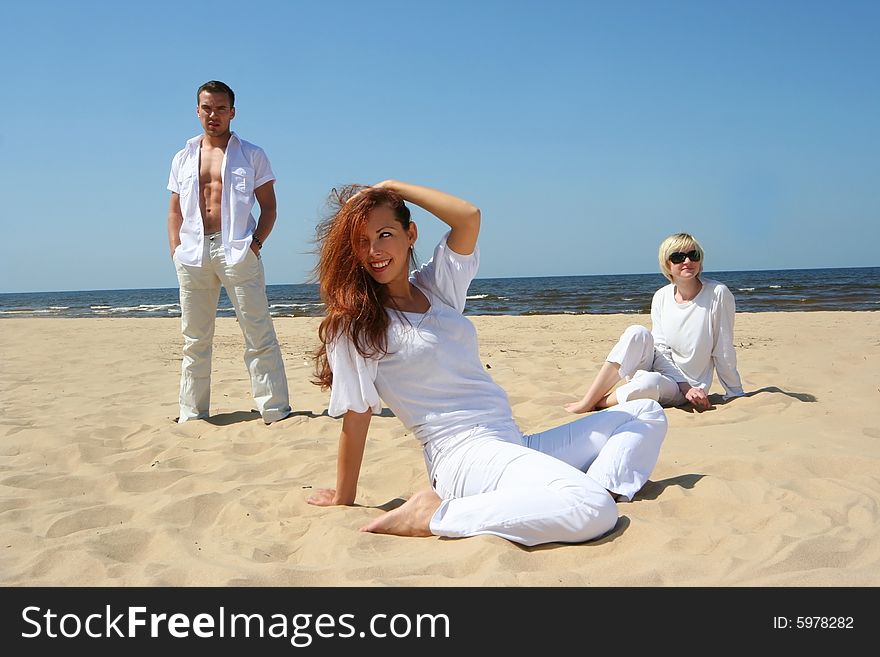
<point x="354" y="301"/>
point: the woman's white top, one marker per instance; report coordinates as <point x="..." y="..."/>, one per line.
<point x="693" y="338"/>
<point x="431" y="378"/>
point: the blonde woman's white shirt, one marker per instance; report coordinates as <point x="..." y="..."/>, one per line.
<point x="432" y="378"/>
<point x="695" y="338"/>
<point x="245" y="168"/>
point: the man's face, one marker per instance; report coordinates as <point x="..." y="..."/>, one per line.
<point x="215" y="113"/>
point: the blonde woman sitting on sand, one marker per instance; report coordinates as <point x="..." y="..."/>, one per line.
<point x="691" y="336"/>
<point x="396" y="333"/>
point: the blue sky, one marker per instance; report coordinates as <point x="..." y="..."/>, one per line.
<point x="585" y="131"/>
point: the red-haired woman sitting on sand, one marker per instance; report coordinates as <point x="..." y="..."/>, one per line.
<point x="395" y="333"/>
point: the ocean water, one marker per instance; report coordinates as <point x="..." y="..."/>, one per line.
<point x="755" y="291"/>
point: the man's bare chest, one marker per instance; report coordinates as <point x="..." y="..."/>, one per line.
<point x="210" y="167"/>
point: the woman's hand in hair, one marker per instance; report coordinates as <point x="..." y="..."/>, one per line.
<point x="462" y="217"/>
<point x="382" y="185"/>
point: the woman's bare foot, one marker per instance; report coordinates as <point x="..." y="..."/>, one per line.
<point x="581" y="406"/>
<point x="412" y="518"/>
<point x="599" y="393"/>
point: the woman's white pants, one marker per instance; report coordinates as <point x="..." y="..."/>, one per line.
<point x="635" y="354"/>
<point x="546" y="487"/>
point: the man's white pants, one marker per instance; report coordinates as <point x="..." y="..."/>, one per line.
<point x="635" y="354"/>
<point x="547" y="487"/>
<point x="245" y="285"/>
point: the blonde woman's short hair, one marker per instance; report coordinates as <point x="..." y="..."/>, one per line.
<point x="678" y="242"/>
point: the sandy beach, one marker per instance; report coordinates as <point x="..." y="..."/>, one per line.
<point x="98" y="485"/>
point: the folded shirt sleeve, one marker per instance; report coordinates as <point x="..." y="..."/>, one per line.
<point x="448" y="274"/>
<point x="172" y="176"/>
<point x="354" y="380"/>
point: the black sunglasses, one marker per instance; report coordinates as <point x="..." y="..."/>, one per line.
<point x="678" y="257"/>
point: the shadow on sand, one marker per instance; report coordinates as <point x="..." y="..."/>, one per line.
<point x="800" y="396"/>
<point x="718" y="400"/>
<point x="654" y="489"/>
<point x="225" y="419"/>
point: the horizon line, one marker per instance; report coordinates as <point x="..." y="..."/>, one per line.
<point x="479" y="278"/>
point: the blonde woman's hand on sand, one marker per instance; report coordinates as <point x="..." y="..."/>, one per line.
<point x="699" y="398"/>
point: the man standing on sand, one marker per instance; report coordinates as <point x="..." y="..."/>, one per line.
<point x="215" y="240"/>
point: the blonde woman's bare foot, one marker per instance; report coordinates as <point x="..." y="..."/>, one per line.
<point x="578" y="407"/>
<point x="412" y="518"/>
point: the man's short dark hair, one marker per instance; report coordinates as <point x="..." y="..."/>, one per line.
<point x="216" y="87"/>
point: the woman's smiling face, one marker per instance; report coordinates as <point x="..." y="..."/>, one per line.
<point x="383" y="247"/>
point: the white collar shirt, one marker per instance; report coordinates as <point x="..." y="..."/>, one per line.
<point x="245" y="168"/>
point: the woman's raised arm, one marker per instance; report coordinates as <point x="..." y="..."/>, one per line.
<point x="461" y="216"/>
